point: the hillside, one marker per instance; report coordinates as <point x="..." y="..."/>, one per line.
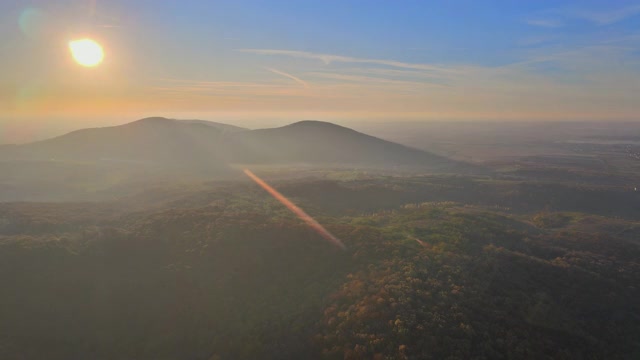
<point x="226" y="272"/>
<point x="198" y="143"/>
<point x="94" y="163"/>
<point x="225" y="128"/>
<point x="147" y="141"/>
<point x="320" y="142"/>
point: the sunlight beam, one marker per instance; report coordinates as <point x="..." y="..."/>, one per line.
<point x="296" y="210"/>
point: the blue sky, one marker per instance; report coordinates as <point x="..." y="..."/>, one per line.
<point x="418" y="60"/>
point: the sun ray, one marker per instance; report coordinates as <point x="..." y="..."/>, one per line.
<point x="296" y="210"/>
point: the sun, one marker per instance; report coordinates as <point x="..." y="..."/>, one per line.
<point x="86" y="52"/>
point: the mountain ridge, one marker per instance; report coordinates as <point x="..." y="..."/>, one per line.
<point x="164" y="141"/>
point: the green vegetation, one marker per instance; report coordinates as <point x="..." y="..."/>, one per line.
<point x="435" y="268"/>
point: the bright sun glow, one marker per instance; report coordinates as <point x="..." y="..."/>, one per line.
<point x="86" y="52"/>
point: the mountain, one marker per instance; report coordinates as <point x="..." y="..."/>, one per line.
<point x="108" y="162"/>
<point x="149" y="141"/>
<point x="226" y="128"/>
<point x="159" y="141"/>
<point x="323" y="142"/>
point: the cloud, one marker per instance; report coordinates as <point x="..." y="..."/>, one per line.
<point x="546" y="23"/>
<point x="212" y="84"/>
<point x="171" y="89"/>
<point x="287" y="75"/>
<point x="372" y="79"/>
<point x="608" y="17"/>
<point x="328" y="59"/>
<point x="558" y="17"/>
<point x="551" y="81"/>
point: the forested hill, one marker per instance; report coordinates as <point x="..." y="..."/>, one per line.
<point x="103" y="163"/>
<point x="150" y="141"/>
<point x="228" y="273"/>
<point x="197" y="143"/>
<point x="327" y="143"/>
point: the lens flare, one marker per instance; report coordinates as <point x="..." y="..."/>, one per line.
<point x="86" y="52"/>
<point x="296" y="210"/>
<point x="424" y="244"/>
<point x="33" y="22"/>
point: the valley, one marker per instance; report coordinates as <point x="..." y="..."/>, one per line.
<point x="533" y="257"/>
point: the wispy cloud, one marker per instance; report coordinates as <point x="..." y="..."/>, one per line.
<point x="212" y="84"/>
<point x="373" y="80"/>
<point x="607" y="17"/>
<point x="545" y="23"/>
<point x="328" y="59"/>
<point x="221" y="90"/>
<point x="550" y="81"/>
<point x="287" y="75"/>
<point x="562" y="16"/>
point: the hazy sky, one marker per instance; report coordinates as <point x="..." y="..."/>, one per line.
<point x="330" y="59"/>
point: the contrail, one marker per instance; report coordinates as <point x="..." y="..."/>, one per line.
<point x="294" y="78"/>
<point x="296" y="210"/>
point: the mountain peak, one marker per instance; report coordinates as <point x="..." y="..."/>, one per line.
<point x="314" y="123"/>
<point x="160" y="141"/>
<point x="153" y="120"/>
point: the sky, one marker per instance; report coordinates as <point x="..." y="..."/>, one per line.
<point x="280" y="61"/>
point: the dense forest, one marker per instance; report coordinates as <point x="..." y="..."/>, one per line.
<point x="435" y="268"/>
<point x="322" y="180"/>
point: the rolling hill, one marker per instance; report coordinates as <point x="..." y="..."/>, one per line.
<point x="320" y="142"/>
<point x="225" y="272"/>
<point x="92" y="163"/>
<point x="197" y="143"/>
<point x="147" y="141"/>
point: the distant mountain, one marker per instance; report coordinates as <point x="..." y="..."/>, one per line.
<point x="100" y="163"/>
<point x="226" y="128"/>
<point x="159" y="141"/>
<point x="153" y="141"/>
<point x="319" y="142"/>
